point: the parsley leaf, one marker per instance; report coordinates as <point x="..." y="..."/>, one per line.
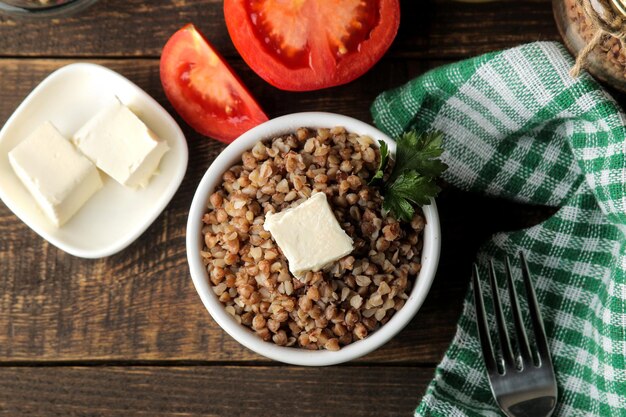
<point x="384" y="158"/>
<point x="409" y="188"/>
<point x="400" y="208"/>
<point x="412" y="179"/>
<point x="419" y="153"/>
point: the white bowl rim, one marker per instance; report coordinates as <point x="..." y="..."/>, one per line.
<point x="291" y="355"/>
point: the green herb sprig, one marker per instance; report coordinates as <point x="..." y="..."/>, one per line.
<point x="412" y="179"/>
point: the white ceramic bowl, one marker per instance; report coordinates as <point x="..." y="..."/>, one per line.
<point x="116" y="215"/>
<point x="293" y="355"/>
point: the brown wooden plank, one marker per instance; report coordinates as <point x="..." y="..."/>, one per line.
<point x="429" y="28"/>
<point x="211" y="391"/>
<point x="19" y="76"/>
<point x="141" y="305"/>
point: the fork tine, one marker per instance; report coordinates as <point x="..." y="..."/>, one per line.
<point x="535" y="314"/>
<point x="520" y="331"/>
<point x="481" y="324"/>
<point x="503" y="334"/>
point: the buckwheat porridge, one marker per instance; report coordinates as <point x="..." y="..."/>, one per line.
<point x="348" y="299"/>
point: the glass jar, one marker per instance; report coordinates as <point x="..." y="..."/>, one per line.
<point x="607" y="59"/>
<point x="43" y="8"/>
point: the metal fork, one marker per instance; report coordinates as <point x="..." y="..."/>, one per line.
<point x="522" y="386"/>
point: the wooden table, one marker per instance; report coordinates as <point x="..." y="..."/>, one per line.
<point x="128" y="335"/>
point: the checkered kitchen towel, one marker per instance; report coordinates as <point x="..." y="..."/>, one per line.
<point x="517" y="126"/>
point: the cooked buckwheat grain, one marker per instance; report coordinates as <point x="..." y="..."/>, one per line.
<point x="248" y="272"/>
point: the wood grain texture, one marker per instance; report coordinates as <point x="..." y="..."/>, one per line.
<point x="431" y="29"/>
<point x="140" y="304"/>
<point x="211" y="391"/>
<point x="139" y="307"/>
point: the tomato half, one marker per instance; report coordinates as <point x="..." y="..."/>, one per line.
<point x="302" y="45"/>
<point x="204" y="90"/>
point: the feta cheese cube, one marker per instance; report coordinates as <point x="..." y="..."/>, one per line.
<point x="59" y="178"/>
<point x="309" y="235"/>
<point x="121" y="145"/>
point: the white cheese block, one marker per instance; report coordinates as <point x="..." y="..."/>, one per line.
<point x="309" y="235"/>
<point x="59" y="178"/>
<point x="121" y="145"/>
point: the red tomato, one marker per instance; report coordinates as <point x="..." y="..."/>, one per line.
<point x="204" y="90"/>
<point x="302" y="45"/>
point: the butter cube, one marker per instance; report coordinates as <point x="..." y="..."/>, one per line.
<point x="121" y="145"/>
<point x="59" y="178"/>
<point x="309" y="235"/>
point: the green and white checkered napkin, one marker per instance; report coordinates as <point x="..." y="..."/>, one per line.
<point x="517" y="126"/>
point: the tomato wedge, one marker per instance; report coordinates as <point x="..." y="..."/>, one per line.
<point x="204" y="90"/>
<point x="302" y="45"/>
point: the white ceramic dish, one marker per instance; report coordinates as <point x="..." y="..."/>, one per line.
<point x="115" y="216"/>
<point x="291" y="355"/>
